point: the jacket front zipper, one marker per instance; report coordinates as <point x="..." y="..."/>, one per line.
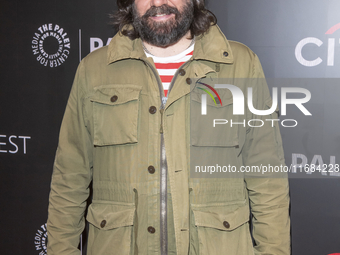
<point x="163" y="173"/>
<point x="163" y="164"/>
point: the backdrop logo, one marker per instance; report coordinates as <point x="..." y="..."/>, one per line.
<point x="12" y="144"/>
<point x="316" y="41"/>
<point x="40" y="240"/>
<point x="51" y="45"/>
<point x="96" y="43"/>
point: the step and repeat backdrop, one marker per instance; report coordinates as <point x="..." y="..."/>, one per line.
<point x="42" y="43"/>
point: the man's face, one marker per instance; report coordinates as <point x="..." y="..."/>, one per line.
<point x="160" y="22"/>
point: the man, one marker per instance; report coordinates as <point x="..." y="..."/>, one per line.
<point x="126" y="129"/>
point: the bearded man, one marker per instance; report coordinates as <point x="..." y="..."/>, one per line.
<point x="126" y="130"/>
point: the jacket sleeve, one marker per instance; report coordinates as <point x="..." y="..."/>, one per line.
<point x="72" y="174"/>
<point x="268" y="192"/>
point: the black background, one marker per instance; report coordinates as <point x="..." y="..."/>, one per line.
<point x="33" y="98"/>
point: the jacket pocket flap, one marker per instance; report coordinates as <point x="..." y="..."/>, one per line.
<point x="226" y="222"/>
<point x="115" y="94"/>
<point x="109" y="216"/>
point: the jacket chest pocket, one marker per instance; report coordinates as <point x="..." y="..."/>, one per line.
<point x="218" y="127"/>
<point x="214" y="136"/>
<point x="115" y="114"/>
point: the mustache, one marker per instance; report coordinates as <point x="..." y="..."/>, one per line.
<point x="163" y="9"/>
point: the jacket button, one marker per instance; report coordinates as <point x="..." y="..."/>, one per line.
<point x="151" y="230"/>
<point x="151" y="169"/>
<point x="152" y="110"/>
<point x="226" y="54"/>
<point x="114" y="99"/>
<point x="188" y="80"/>
<point x="182" y="72"/>
<point x="103" y="223"/>
<point x="226" y="224"/>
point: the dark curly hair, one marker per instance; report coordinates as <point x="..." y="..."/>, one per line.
<point x="122" y="20"/>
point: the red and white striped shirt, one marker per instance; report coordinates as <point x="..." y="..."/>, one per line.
<point x="167" y="66"/>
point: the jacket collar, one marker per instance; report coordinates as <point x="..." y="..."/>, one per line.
<point x="212" y="46"/>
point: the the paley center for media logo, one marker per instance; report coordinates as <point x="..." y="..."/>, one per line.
<point x="239" y="104"/>
<point x="51" y="45"/>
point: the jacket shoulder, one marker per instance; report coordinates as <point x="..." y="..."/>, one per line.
<point x="96" y="57"/>
<point x="241" y="50"/>
<point x="246" y="60"/>
<point x="92" y="70"/>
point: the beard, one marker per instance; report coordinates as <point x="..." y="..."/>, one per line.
<point x="159" y="33"/>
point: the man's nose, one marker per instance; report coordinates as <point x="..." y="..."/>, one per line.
<point x="158" y="2"/>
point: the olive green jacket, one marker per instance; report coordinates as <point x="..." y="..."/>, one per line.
<point x="114" y="134"/>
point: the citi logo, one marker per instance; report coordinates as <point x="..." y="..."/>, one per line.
<point x="316" y="41"/>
